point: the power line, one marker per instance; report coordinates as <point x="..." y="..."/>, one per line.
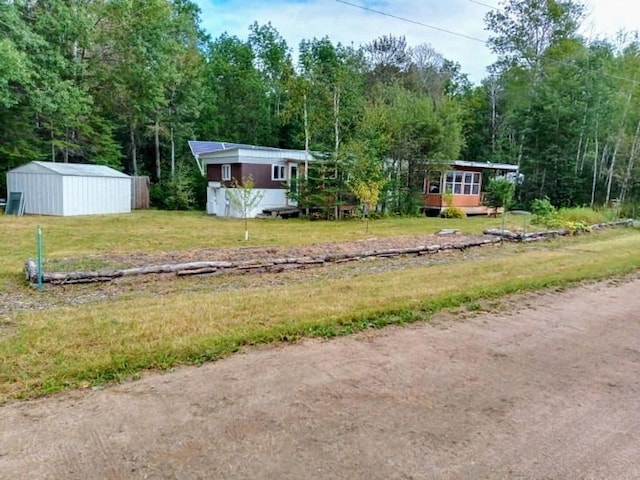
<point x="415" y="22"/>
<point x="485" y="5"/>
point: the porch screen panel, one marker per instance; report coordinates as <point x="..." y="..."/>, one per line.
<point x="475" y="186"/>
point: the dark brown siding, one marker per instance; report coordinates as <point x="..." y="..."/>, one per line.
<point x="214" y="173"/>
<point x="236" y="172"/>
<point x="261" y="174"/>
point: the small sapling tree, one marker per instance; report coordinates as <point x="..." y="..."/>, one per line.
<point x="243" y="198"/>
<point x="366" y="178"/>
<point x="500" y="193"/>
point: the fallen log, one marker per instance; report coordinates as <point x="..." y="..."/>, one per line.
<point x="221" y="267"/>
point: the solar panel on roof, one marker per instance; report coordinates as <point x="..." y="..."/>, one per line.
<point x="199" y="147"/>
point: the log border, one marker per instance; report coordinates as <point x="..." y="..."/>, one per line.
<point x="222" y="267"/>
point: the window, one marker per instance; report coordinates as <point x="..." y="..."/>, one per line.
<point x="475" y="186"/>
<point x="432" y="183"/>
<point x="463" y="183"/>
<point x="226" y="172"/>
<point x="278" y="172"/>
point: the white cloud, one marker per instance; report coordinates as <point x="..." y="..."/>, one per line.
<point x="299" y="20"/>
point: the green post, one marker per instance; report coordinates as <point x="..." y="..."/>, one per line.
<point x="39" y="247"/>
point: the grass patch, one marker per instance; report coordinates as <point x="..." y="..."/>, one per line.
<point x="72" y="242"/>
<point x="111" y="340"/>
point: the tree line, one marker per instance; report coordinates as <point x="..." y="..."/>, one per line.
<point x="127" y="83"/>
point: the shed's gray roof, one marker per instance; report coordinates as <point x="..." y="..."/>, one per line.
<point x="69" y="169"/>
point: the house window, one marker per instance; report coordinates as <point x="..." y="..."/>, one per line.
<point x="226" y="172"/>
<point x="432" y="183"/>
<point x="462" y="183"/>
<point x="278" y="172"/>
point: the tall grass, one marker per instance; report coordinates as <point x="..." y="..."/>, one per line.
<point x="586" y="215"/>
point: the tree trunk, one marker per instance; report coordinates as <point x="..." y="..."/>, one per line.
<point x="584" y="154"/>
<point x="612" y="166"/>
<point x="494" y="114"/>
<point x="595" y="173"/>
<point x="156" y="138"/>
<point x="53" y="147"/>
<point x="134" y="153"/>
<point x="66" y="148"/>
<point x="336" y="118"/>
<point x="173" y="153"/>
<point x="632" y="155"/>
<point x="584" y="124"/>
<point x="617" y="149"/>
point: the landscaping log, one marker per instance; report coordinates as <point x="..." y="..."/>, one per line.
<point x="545" y="234"/>
<point x="221" y="267"/>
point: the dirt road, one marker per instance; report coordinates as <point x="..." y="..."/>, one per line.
<point x="548" y="391"/>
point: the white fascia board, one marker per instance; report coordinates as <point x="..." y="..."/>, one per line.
<point x="254" y="155"/>
<point x="220" y="157"/>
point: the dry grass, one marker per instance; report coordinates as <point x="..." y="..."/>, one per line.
<point x="85" y="345"/>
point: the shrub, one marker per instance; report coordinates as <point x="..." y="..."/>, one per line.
<point x="453" y="212"/>
<point x="542" y="207"/>
<point x="577" y="219"/>
<point x="544" y="213"/>
<point x="185" y="191"/>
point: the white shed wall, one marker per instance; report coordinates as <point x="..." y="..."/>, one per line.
<point x="42" y="192"/>
<point x="96" y="195"/>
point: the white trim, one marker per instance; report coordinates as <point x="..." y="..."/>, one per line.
<point x="225" y="172"/>
<point x="487" y="165"/>
<point x="459" y="179"/>
<point x="282" y="173"/>
<point x="238" y="155"/>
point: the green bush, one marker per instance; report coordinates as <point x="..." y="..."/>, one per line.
<point x="185" y="191"/>
<point x="576" y="219"/>
<point x="453" y="212"/>
<point x="544" y="213"/>
<point x="542" y="207"/>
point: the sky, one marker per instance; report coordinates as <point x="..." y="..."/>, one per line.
<point x="298" y="20"/>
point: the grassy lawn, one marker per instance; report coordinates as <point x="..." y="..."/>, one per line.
<point x="43" y="351"/>
<point x="156" y="231"/>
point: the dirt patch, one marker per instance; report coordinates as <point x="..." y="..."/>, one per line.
<point x="546" y="388"/>
<point x="266" y="253"/>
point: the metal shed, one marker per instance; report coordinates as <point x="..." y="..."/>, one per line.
<point x="67" y="189"/>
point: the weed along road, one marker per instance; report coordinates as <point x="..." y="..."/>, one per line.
<point x="546" y="386"/>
